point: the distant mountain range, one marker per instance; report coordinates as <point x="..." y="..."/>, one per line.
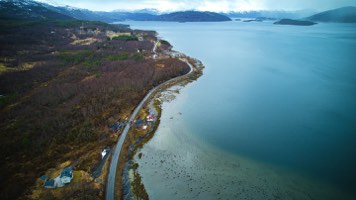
<point x="29" y="9"/>
<point x="192" y="16"/>
<point x="270" y="14"/>
<point x="345" y="15"/>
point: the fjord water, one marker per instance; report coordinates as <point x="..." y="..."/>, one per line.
<point x="280" y="97"/>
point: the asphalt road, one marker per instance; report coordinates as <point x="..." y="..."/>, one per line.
<point x="110" y="185"/>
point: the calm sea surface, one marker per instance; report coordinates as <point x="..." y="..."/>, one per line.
<point x="284" y="96"/>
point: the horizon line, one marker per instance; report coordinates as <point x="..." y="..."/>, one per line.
<point x="55" y="4"/>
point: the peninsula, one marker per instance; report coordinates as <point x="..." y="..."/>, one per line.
<point x="340" y="15"/>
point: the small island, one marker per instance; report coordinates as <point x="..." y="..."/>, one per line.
<point x="253" y="20"/>
<point x="294" y="22"/>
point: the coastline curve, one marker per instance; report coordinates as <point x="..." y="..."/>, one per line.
<point x="110" y="185"/>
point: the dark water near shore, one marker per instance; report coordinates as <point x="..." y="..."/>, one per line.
<point x="280" y="95"/>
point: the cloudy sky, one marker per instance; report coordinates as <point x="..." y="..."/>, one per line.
<point x="205" y="5"/>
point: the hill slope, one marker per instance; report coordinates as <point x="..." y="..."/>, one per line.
<point x="27" y="9"/>
<point x="271" y="14"/>
<point x="193" y="16"/>
<point x="63" y="84"/>
<point x="345" y="15"/>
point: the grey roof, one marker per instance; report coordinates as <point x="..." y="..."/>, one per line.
<point x="49" y="183"/>
<point x="67" y="172"/>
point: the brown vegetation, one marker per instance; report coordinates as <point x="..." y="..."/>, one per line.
<point x="59" y="108"/>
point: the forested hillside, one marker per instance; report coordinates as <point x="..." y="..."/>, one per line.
<point x="62" y="85"/>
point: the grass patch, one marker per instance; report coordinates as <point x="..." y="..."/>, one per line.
<point x="76" y="57"/>
<point x="114" y="57"/>
<point x="125" y="38"/>
<point x="86" y="58"/>
<point x="92" y="65"/>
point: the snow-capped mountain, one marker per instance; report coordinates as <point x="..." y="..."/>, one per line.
<point x="27" y="9"/>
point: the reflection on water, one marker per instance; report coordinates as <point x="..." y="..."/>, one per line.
<point x="280" y="100"/>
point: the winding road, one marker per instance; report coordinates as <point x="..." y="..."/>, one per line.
<point x="110" y="185"/>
